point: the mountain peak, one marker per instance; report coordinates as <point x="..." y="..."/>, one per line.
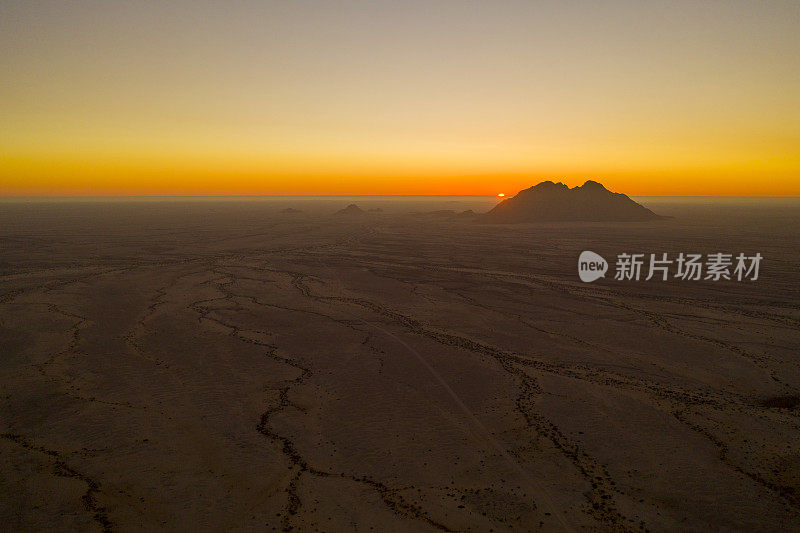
<point x="545" y="185"/>
<point x="592" y="185"/>
<point x="351" y="209"/>
<point x="548" y="201"/>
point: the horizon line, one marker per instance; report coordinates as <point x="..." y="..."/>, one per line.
<point x="298" y="195"/>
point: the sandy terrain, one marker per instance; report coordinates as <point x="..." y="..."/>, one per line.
<point x="227" y="366"/>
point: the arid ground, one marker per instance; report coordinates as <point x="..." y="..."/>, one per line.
<point x="222" y="365"/>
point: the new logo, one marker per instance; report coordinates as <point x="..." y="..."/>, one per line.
<point x="591" y="266"/>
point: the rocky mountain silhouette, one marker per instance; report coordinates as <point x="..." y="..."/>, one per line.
<point x="555" y="202"/>
<point x="351" y="210"/>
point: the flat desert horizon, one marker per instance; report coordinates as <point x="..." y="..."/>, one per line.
<point x="268" y="364"/>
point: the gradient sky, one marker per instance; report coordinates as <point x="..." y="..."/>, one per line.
<point x="412" y="97"/>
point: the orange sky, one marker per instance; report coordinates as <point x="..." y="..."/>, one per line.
<point x="435" y="97"/>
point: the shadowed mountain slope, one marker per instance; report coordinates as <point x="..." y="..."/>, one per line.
<point x="553" y="202"/>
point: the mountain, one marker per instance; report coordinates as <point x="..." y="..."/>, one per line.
<point x="350" y="210"/>
<point x="555" y="202"/>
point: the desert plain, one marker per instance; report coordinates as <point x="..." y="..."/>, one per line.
<point x="223" y="365"/>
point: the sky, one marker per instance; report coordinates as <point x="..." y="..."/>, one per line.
<point x="413" y="97"/>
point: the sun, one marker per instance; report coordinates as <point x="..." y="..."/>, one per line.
<point x="500" y="195"/>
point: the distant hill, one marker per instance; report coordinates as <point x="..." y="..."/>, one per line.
<point x="351" y="210"/>
<point x="449" y="213"/>
<point x="291" y="210"/>
<point x="554" y="202"/>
